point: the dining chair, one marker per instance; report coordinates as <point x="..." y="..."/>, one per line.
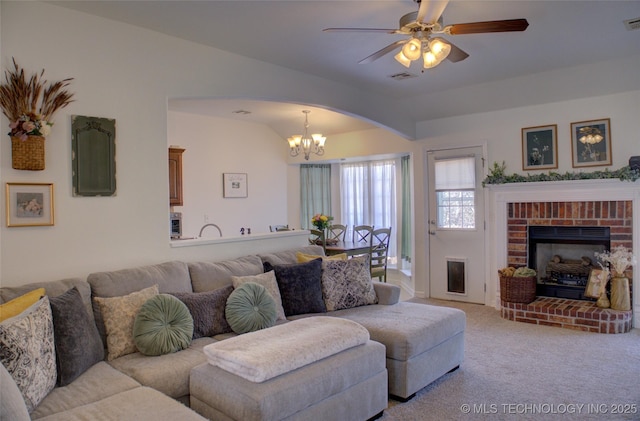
<point x="274" y="228"/>
<point x="362" y="233"/>
<point x="337" y="232"/>
<point x="379" y="253"/>
<point x="317" y="237"/>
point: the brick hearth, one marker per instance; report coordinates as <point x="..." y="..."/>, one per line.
<point x="569" y="314"/>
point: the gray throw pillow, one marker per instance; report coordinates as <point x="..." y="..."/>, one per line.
<point x="163" y="325"/>
<point x="78" y="343"/>
<point x="300" y="287"/>
<point x="207" y="309"/>
<point x="250" y="307"/>
<point x="347" y="283"/>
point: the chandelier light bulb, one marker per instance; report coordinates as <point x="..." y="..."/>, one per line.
<point x="440" y="48"/>
<point x="411" y="49"/>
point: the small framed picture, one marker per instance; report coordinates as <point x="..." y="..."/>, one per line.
<point x="234" y="184"/>
<point x="591" y="143"/>
<point x="29" y="204"/>
<point x="596" y="283"/>
<point x="540" y="147"/>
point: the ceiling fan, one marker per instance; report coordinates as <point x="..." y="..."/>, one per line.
<point x="420" y="26"/>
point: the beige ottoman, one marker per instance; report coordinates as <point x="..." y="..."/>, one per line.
<point x="250" y="381"/>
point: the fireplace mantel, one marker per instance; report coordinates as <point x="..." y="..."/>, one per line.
<point x="500" y="195"/>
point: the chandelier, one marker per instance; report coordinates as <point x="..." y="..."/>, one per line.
<point x="432" y="51"/>
<point x="305" y="143"/>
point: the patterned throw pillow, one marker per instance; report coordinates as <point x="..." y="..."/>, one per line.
<point x="27" y="350"/>
<point x="267" y="280"/>
<point x="119" y="314"/>
<point x="300" y="287"/>
<point x="347" y="283"/>
<point x="250" y="307"/>
<point x="207" y="310"/>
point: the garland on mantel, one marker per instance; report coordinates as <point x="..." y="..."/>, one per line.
<point x="497" y="175"/>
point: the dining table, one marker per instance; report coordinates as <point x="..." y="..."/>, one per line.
<point x="350" y="248"/>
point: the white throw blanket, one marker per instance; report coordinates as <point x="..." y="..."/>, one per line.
<point x="267" y="353"/>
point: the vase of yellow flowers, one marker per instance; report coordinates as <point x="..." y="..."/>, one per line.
<point x="29" y="104"/>
<point x="618" y="260"/>
<point x="322" y="223"/>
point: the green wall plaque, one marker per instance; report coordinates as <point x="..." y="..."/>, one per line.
<point x="94" y="156"/>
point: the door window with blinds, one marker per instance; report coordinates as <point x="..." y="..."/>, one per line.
<point x="455" y="184"/>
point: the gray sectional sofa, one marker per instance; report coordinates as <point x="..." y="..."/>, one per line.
<point x="421" y="343"/>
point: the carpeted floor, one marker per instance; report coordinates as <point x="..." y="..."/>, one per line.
<point x="518" y="371"/>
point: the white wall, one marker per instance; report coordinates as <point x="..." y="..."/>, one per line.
<point x="215" y="146"/>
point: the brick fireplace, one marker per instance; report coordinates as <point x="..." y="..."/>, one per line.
<point x="598" y="203"/>
<point x="567" y="313"/>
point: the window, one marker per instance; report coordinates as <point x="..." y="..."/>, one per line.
<point x="455" y="193"/>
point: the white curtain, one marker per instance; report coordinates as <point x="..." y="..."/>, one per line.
<point x="368" y="197"/>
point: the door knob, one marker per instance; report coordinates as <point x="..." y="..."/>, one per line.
<point x="432" y="233"/>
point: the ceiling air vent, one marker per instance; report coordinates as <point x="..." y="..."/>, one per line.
<point x="402" y="76"/>
<point x="632" y="24"/>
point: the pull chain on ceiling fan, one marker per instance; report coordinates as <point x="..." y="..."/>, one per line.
<point x="421" y="25"/>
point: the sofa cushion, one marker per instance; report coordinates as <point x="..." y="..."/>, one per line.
<point x="267" y="280"/>
<point x="78" y="343"/>
<point x="207" y="309"/>
<point x="168" y="373"/>
<point x="347" y="283"/>
<point x="300" y="286"/>
<point x="98" y="382"/>
<point x="206" y="276"/>
<point x="27" y="350"/>
<point x="162" y="326"/>
<point x="250" y="307"/>
<point x="119" y="315"/>
<point x="12" y="405"/>
<point x="19" y="304"/>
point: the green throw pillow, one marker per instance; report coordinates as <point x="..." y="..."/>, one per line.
<point x="250" y="307"/>
<point x="162" y="326"/>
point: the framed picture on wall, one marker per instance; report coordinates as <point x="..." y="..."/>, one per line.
<point x="29" y="204"/>
<point x="540" y="147"/>
<point x="591" y="143"/>
<point x="234" y="184"/>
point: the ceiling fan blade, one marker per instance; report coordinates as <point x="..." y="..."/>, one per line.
<point x="509" y="25"/>
<point x="431" y="10"/>
<point x="456" y="53"/>
<point x="386" y="50"/>
<point x="378" y="30"/>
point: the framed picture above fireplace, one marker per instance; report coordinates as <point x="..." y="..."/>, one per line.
<point x="539" y="147"/>
<point x="591" y="143"/>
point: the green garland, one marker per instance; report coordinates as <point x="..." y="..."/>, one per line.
<point x="497" y="175"/>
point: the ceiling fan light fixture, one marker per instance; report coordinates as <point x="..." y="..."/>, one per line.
<point x="411" y="50"/>
<point x="430" y="60"/>
<point x="402" y="59"/>
<point x="439" y="48"/>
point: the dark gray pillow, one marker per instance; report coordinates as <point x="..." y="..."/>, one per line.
<point x="78" y="343"/>
<point x="207" y="309"/>
<point x="250" y="307"/>
<point x="300" y="287"/>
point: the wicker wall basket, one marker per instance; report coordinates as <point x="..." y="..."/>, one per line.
<point x="518" y="289"/>
<point x="27" y="154"/>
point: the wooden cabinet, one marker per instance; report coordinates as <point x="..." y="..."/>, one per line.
<point x="175" y="176"/>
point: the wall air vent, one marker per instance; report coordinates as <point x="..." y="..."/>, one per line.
<point x="632" y="24"/>
<point x="402" y="76"/>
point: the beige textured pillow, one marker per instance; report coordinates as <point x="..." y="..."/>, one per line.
<point x="119" y="314"/>
<point x="267" y="280"/>
<point x="303" y="257"/>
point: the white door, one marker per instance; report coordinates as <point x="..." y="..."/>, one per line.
<point x="456" y="225"/>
